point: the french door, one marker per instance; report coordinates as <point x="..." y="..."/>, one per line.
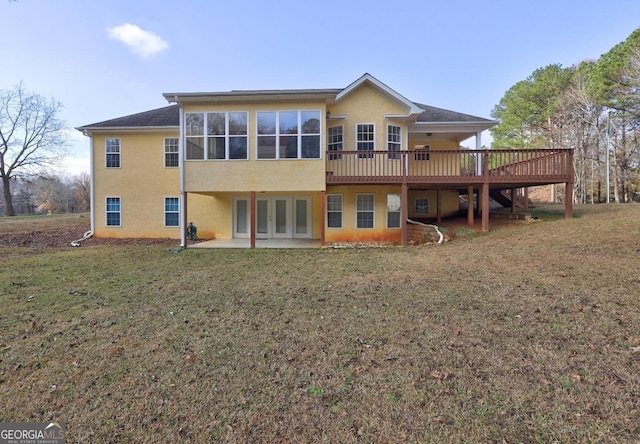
<point x="276" y="217"/>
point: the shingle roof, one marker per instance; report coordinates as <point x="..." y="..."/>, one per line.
<point x="438" y="115"/>
<point x="160" y="117"/>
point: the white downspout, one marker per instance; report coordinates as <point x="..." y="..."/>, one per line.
<point x="183" y="203"/>
<point x="92" y="212"/>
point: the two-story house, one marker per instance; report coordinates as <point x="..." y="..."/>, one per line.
<point x="350" y="164"/>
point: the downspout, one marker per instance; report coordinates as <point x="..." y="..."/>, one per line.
<point x="88" y="234"/>
<point x="183" y="202"/>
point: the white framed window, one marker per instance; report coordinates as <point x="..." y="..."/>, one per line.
<point x="288" y="134"/>
<point x="171" y="150"/>
<point x="394" y="141"/>
<point x="334" y="210"/>
<point x="365" y="139"/>
<point x="421" y="152"/>
<point x="393" y="211"/>
<point x="112" y="212"/>
<point x="217" y="136"/>
<point x="112" y="152"/>
<point x="335" y="142"/>
<point x="171" y="211"/>
<point x="421" y="205"/>
<point x="365" y="210"/>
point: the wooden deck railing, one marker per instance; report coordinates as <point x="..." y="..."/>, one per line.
<point x="450" y="166"/>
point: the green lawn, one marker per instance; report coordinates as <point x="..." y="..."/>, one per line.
<point x="525" y="334"/>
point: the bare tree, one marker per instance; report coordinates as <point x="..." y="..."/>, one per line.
<point x="82" y="191"/>
<point x="32" y="136"/>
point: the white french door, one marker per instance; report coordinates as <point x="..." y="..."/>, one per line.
<point x="273" y="217"/>
<point x="283" y="217"/>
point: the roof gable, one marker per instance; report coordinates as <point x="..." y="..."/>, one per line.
<point x="394" y="96"/>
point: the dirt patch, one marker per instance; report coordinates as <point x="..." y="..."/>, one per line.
<point x="62" y="237"/>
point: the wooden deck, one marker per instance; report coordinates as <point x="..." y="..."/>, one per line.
<point x="451" y="169"/>
<point x="468" y="171"/>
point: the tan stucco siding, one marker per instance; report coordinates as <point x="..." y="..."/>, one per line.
<point x="141" y="182"/>
<point x="212" y="214"/>
<point x="365" y="105"/>
<point x="255" y="175"/>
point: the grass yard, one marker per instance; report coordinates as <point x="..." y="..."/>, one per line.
<point x="525" y="334"/>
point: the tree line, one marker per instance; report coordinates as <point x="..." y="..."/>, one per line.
<point x="49" y="195"/>
<point x="592" y="107"/>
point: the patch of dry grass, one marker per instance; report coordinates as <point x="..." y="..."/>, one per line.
<point x="525" y="334"/>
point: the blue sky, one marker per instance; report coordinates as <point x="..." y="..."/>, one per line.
<point x="109" y="58"/>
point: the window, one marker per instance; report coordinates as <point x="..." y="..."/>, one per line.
<point x="194" y="131"/>
<point x="113" y="211"/>
<point x="335" y="142"/>
<point x="334" y="210"/>
<point x="226" y="136"/>
<point x="171" y="159"/>
<point x="364" y="210"/>
<point x="393" y="141"/>
<point x="422" y="152"/>
<point x="112" y="150"/>
<point x="365" y="139"/>
<point x="393" y="211"/>
<point x="288" y="135"/>
<point x="171" y="211"/>
<point x="421" y="205"/>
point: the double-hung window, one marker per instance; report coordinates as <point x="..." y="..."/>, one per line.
<point x="365" y="210"/>
<point x="334" y="210"/>
<point x="335" y="142"/>
<point x="216" y="135"/>
<point x="112" y="211"/>
<point x="394" y="141"/>
<point x="393" y="211"/>
<point x="171" y="159"/>
<point x="365" y="139"/>
<point x="288" y="134"/>
<point x="112" y="151"/>
<point x="171" y="211"/>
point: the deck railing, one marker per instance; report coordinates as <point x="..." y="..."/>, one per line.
<point x="450" y="166"/>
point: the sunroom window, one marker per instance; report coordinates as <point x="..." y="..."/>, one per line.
<point x="288" y="134"/>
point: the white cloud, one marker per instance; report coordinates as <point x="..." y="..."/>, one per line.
<point x="141" y="42"/>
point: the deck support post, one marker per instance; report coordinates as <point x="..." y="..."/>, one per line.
<point x="323" y="212"/>
<point x="253" y="218"/>
<point x="514" y="196"/>
<point x="525" y="192"/>
<point x="470" y="193"/>
<point x="485" y="193"/>
<point x="438" y="206"/>
<point x="404" y="211"/>
<point x="568" y="200"/>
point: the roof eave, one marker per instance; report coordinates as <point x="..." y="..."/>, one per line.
<point x="87" y="130"/>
